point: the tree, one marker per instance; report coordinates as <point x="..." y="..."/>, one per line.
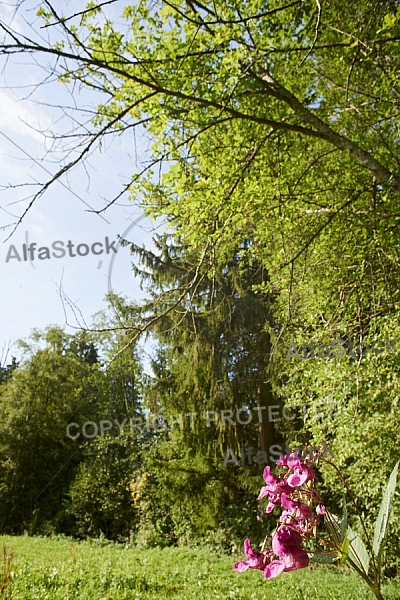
<point x="48" y="390"/>
<point x="212" y="352"/>
<point x="46" y="467"/>
<point x="7" y="371"/>
<point x="259" y="81"/>
<point x="278" y="123"/>
<point x="100" y="498"/>
<point x="210" y="391"/>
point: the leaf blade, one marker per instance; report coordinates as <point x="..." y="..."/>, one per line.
<point x="323" y="558"/>
<point x="343" y="524"/>
<point x="384" y="513"/>
<point x="357" y="551"/>
<point x="345" y="551"/>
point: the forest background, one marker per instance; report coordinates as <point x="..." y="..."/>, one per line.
<point x="274" y="159"/>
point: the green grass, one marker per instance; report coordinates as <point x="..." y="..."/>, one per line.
<point x="60" y="569"/>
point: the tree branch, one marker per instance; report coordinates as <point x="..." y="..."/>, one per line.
<point x="382" y="174"/>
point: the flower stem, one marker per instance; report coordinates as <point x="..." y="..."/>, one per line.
<point x="376" y="568"/>
<point x="374" y="589"/>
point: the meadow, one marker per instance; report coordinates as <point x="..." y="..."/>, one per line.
<point x="61" y="569"/>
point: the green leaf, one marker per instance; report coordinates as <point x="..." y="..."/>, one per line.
<point x="383" y="517"/>
<point x="331" y="523"/>
<point x="389" y="21"/>
<point x="345" y="551"/>
<point x="343" y="524"/>
<point x="322" y="558"/>
<point x="357" y="550"/>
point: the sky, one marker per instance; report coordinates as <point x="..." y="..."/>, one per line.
<point x="60" y="290"/>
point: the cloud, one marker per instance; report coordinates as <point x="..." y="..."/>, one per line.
<point x="18" y="118"/>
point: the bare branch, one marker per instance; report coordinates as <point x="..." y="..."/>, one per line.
<point x="239" y="21"/>
<point x="316" y="32"/>
<point x="79" y="14"/>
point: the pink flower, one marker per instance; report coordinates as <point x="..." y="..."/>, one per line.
<point x="297" y="558"/>
<point x="274" y="485"/>
<point x="296" y="523"/>
<point x="305" y="525"/>
<point x="274" y="499"/>
<point x="284" y="538"/>
<point x="287" y="515"/>
<point x="268" y="477"/>
<point x="299" y="509"/>
<point x="274" y="488"/>
<point x="301" y="474"/>
<point x="289" y="460"/>
<point x="274" y="569"/>
<point x="291" y="557"/>
<point x="257" y="560"/>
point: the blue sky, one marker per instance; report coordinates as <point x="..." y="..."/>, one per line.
<point x="30" y="290"/>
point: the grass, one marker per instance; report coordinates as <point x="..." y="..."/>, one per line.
<point x="61" y="569"/>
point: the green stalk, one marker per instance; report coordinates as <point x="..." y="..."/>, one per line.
<point x="375" y="567"/>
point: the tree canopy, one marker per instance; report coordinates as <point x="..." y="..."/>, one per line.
<point x="272" y="122"/>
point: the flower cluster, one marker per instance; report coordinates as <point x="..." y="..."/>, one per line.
<point x="294" y="491"/>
